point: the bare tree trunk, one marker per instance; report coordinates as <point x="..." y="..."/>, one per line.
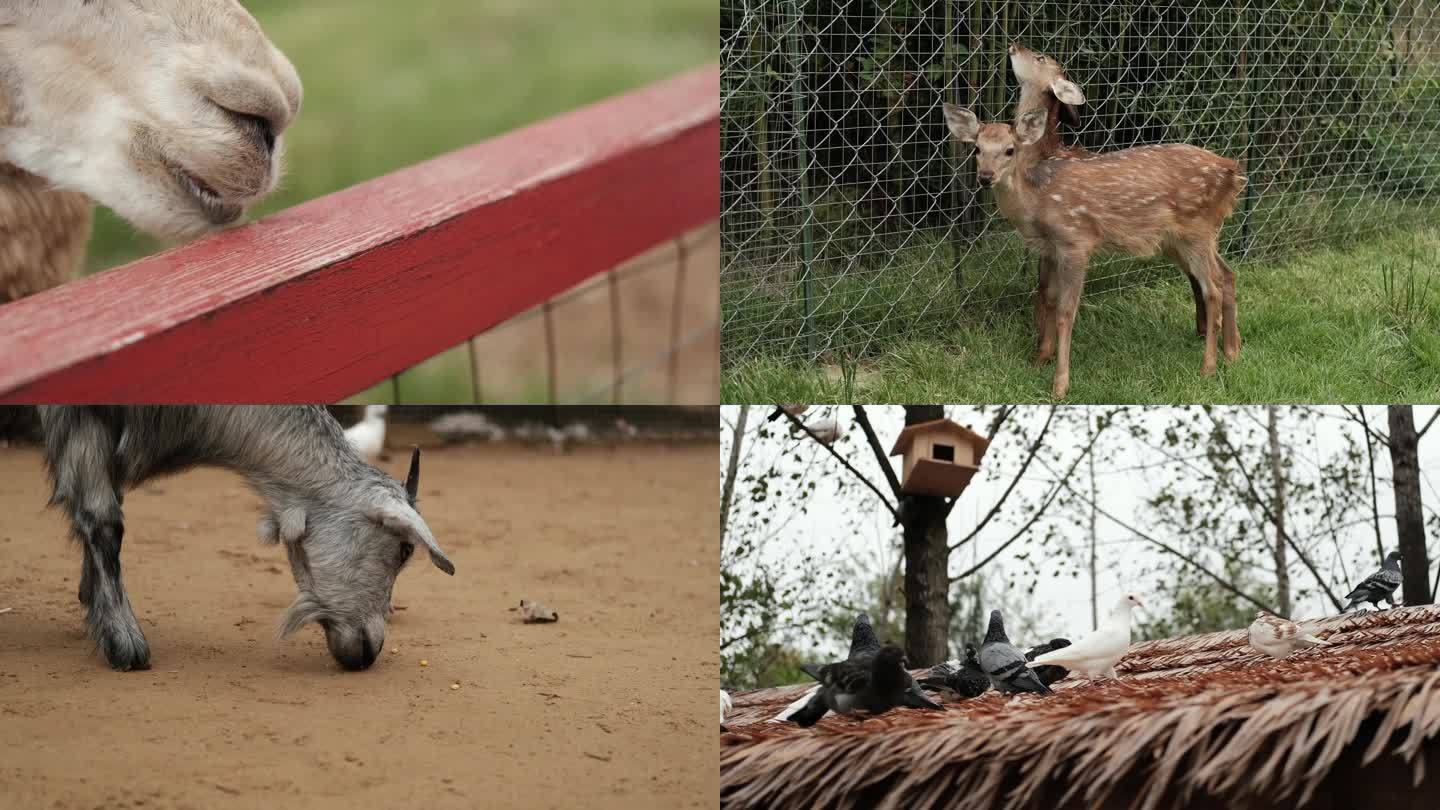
<point x="1409" y="517"/>
<point x="1277" y="510"/>
<point x="727" y="490"/>
<point x="927" y="552"/>
<point x="1094" y="499"/>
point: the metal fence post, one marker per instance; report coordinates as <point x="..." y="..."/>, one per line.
<point x="802" y="174"/>
<point x="1246" y="204"/>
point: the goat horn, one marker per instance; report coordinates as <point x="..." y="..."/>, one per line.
<point x="412" y="481"/>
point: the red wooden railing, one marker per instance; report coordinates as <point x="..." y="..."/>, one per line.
<point x="327" y="298"/>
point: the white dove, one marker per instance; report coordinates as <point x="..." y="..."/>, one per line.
<point x="1096" y="654"/>
<point x="799" y="704"/>
<point x="368" y="435"/>
<point x="827" y="430"/>
<point x="1277" y="637"/>
<point x="724" y="706"/>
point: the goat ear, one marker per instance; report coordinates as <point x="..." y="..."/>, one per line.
<point x="1032" y="126"/>
<point x="1068" y="92"/>
<point x="406" y="522"/>
<point x="962" y="123"/>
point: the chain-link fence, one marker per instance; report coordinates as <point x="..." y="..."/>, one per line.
<point x="849" y="218"/>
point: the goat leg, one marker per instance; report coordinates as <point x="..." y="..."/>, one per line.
<point x="109" y="617"/>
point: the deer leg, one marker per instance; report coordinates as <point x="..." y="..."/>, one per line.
<point x="1045" y="313"/>
<point x="91" y="499"/>
<point x="1199" y="294"/>
<point x="1199" y="264"/>
<point x="1227" y="292"/>
<point x="1069" y="280"/>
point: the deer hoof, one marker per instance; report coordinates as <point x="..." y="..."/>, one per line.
<point x="1208" y="370"/>
<point x="1232" y="354"/>
<point x="1060" y="390"/>
<point x="1040" y="359"/>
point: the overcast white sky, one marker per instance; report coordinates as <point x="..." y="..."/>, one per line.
<point x="1124" y="484"/>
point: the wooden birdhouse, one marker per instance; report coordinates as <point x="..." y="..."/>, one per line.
<point x="939" y="458"/>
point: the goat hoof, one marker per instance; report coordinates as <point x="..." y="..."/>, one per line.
<point x="125" y="652"/>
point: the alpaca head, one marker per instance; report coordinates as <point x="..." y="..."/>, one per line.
<point x="170" y="112"/>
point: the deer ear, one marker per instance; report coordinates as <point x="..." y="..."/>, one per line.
<point x="962" y="123"/>
<point x="1068" y="92"/>
<point x="1032" y="126"/>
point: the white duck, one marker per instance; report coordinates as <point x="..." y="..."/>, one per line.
<point x="368" y="435"/>
<point x="1095" y="655"/>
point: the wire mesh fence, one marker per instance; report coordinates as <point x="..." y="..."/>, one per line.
<point x="647" y="332"/>
<point x="849" y="218"/>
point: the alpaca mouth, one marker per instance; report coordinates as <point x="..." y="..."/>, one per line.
<point x="212" y="206"/>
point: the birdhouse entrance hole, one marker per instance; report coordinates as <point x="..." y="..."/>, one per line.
<point x="945" y="452"/>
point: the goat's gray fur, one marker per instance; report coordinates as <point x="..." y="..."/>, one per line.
<point x="346" y="526"/>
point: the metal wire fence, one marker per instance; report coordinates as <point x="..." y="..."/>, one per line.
<point x="850" y="219"/>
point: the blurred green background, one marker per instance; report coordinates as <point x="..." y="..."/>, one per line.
<point x="389" y="84"/>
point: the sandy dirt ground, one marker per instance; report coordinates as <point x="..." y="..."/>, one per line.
<point x="614" y="706"/>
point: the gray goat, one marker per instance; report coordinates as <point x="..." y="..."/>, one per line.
<point x="347" y="527"/>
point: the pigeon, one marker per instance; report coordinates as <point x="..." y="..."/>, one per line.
<point x="873" y="683"/>
<point x="1004" y="665"/>
<point x="1048" y="674"/>
<point x="796" y="411"/>
<point x="368" y="435"/>
<point x="1379" y="586"/>
<point x="724" y="707"/>
<point x="1277" y="637"/>
<point x="827" y="430"/>
<point x="1096" y="655"/>
<point x="964" y="678"/>
<point x="863" y="642"/>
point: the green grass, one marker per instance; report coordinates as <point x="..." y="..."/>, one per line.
<point x="389" y="84"/>
<point x="1359" y="323"/>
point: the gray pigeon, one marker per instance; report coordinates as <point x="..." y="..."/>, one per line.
<point x="1379" y="586"/>
<point x="862" y="640"/>
<point x="1048" y="673"/>
<point x="964" y="678"/>
<point x="873" y="682"/>
<point x="1004" y="665"/>
<point x="863" y="643"/>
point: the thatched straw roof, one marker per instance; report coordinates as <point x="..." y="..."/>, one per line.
<point x="1199" y="721"/>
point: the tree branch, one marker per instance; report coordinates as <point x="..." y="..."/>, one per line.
<point x="1420" y="434"/>
<point x="1062" y="482"/>
<point x="1192" y="562"/>
<point x="1014" y="482"/>
<point x="863" y="419"/>
<point x="866" y="481"/>
<point x="1278" y="524"/>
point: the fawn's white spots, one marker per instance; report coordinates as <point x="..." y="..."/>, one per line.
<point x="1055" y="197"/>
